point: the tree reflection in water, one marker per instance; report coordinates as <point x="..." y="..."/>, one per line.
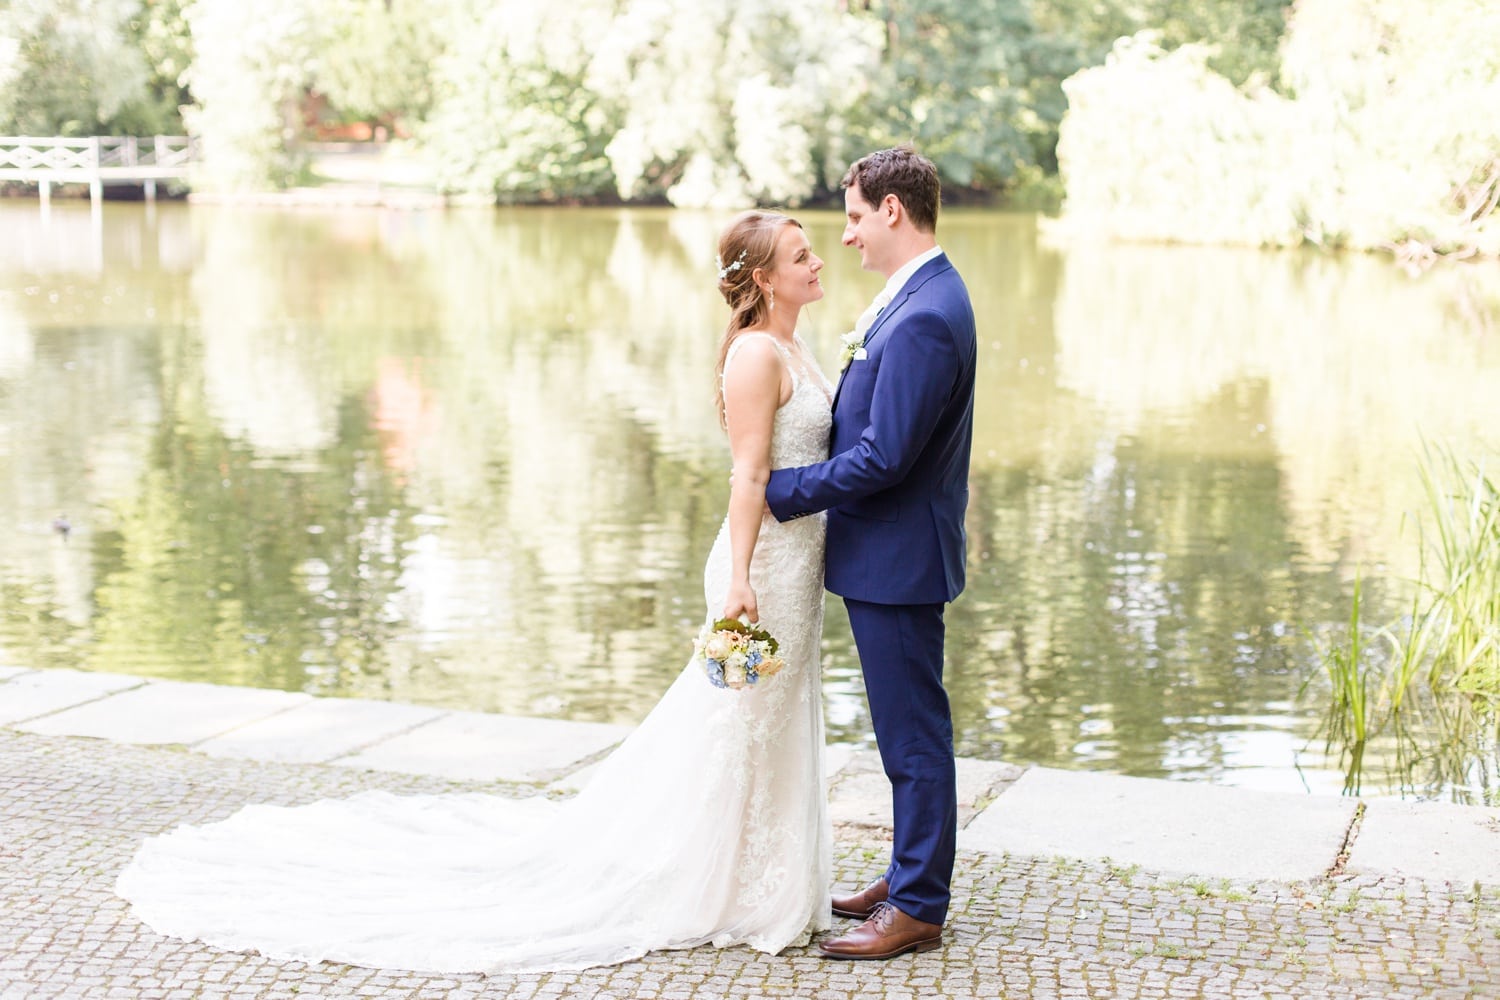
<point x="470" y="459"/>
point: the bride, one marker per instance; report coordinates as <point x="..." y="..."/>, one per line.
<point x="708" y="825"/>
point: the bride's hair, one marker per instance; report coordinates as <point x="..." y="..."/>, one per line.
<point x="747" y="243"/>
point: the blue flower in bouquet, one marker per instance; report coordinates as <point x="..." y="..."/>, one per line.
<point x="715" y="673"/>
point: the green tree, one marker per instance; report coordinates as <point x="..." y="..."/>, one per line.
<point x="67" y="67"/>
<point x="947" y="81"/>
<point x="975" y="84"/>
<point x="159" y="30"/>
<point x="1244" y="35"/>
<point x="377" y="63"/>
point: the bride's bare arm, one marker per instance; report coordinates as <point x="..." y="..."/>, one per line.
<point x="754" y="385"/>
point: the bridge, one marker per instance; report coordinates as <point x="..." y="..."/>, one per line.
<point x="96" y="161"/>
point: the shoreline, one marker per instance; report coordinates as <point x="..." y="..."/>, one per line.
<point x="1160" y="824"/>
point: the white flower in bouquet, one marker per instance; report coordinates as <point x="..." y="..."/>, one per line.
<point x="717" y="647"/>
<point x="734" y="673"/>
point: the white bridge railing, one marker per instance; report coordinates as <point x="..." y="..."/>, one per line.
<point x="96" y="161"/>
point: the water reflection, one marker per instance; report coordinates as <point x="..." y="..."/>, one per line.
<point x="471" y="459"/>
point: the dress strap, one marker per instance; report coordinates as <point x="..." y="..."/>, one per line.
<point x="810" y="368"/>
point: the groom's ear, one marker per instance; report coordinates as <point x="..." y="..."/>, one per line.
<point x="891" y="209"/>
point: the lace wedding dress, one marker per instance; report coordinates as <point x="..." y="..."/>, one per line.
<point x="707" y="825"/>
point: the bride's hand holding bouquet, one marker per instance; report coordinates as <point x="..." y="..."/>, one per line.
<point x="734" y="654"/>
<point x="740" y="602"/>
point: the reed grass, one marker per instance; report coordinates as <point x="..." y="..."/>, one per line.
<point x="1463" y="584"/>
<point x="1349" y="672"/>
<point x="1436" y="670"/>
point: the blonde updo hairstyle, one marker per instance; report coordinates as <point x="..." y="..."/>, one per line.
<point x="749" y="241"/>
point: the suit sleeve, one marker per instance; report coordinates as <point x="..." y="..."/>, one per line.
<point x="918" y="370"/>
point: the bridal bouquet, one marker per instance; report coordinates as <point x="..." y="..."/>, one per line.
<point x="735" y="655"/>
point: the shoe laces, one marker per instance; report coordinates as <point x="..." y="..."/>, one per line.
<point x="882" y="914"/>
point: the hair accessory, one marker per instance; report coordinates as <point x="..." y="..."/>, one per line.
<point x="738" y="263"/>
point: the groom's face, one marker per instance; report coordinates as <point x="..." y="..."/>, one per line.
<point x="866" y="230"/>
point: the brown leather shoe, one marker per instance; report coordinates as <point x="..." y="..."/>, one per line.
<point x="862" y="903"/>
<point x="887" y="933"/>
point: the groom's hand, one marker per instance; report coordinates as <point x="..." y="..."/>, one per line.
<point x="768" y="509"/>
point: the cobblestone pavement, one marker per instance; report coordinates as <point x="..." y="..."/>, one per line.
<point x="73" y="810"/>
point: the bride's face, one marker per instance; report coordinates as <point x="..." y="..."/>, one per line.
<point x="795" y="273"/>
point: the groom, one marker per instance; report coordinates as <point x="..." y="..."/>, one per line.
<point x="895" y="490"/>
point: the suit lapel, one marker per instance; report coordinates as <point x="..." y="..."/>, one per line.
<point x="838" y="389"/>
<point x="924" y="274"/>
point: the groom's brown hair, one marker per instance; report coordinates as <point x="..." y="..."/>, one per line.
<point x="905" y="173"/>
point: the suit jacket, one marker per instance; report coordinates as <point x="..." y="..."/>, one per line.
<point x="897" y="483"/>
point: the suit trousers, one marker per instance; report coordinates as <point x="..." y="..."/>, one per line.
<point x="901" y="654"/>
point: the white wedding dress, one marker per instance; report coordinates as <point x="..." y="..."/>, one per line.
<point x="707" y="825"/>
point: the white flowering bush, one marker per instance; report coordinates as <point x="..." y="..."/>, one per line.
<point x="1157" y="146"/>
<point x="727" y="102"/>
<point x="513" y="117"/>
<point x="253" y="64"/>
<point x="1401" y="94"/>
<point x="1382" y="140"/>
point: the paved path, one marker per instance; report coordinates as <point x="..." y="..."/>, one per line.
<point x="1068" y="885"/>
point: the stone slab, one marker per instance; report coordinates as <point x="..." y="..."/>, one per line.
<point x="167" y="712"/>
<point x="979" y="782"/>
<point x="472" y="746"/>
<point x="34" y="693"/>
<point x="835" y="757"/>
<point x="1435" y="841"/>
<point x="1170" y="827"/>
<point x="320" y="730"/>
<point x="860" y="793"/>
<point x="574" y="781"/>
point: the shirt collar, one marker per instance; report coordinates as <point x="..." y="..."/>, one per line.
<point x="903" y="274"/>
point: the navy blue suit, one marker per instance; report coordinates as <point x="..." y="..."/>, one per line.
<point x="896" y="487"/>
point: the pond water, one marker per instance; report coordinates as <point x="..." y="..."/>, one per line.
<point x="470" y="459"/>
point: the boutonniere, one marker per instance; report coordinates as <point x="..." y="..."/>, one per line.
<point x="854" y="341"/>
<point x="853" y="348"/>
